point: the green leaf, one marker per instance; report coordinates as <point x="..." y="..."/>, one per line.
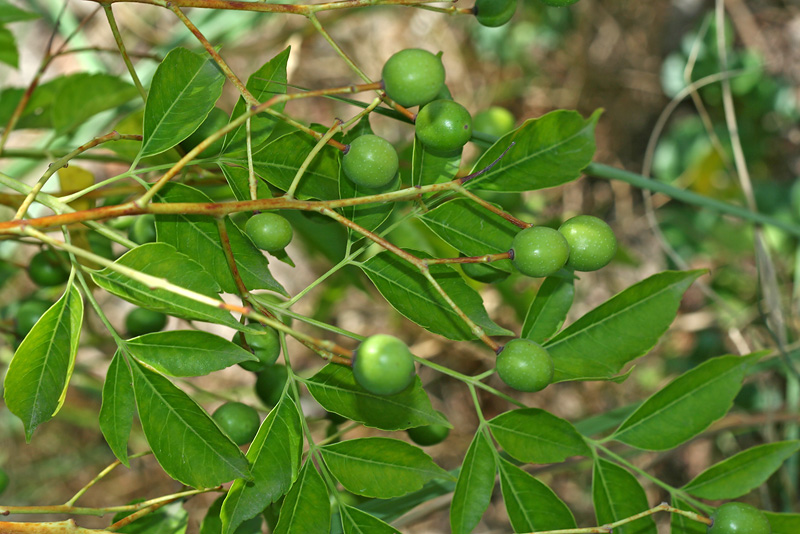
<point x="306" y="508"/>
<point x="8" y="48"/>
<point x="185" y="440"/>
<point x="536" y="436"/>
<point x="336" y="389"/>
<point x="212" y="524"/>
<point x="475" y="484"/>
<point x="391" y="509"/>
<point x="274" y="457"/>
<point x="118" y="407"/>
<point x="263" y="84"/>
<point x="428" y="168"/>
<point x="411" y="294"/>
<point x="354" y="521"/>
<point x="530" y="504"/>
<point x="239" y="180"/>
<point x="197" y="236"/>
<point x="36" y="381"/>
<point x="617" y="495"/>
<point x="163" y="261"/>
<point x="10" y="13"/>
<point x="783" y="523"/>
<point x="549" y="309"/>
<point x="683" y="525"/>
<point x="472" y="230"/>
<point x="82" y="96"/>
<point x="380" y="467"/>
<point x="169" y="519"/>
<point x="600" y="343"/>
<point x="38" y="110"/>
<point x="184" y="89"/>
<point x="687" y="405"/>
<point x="548" y="151"/>
<point x="742" y="472"/>
<point x="279" y="158"/>
<point x="186" y="352"/>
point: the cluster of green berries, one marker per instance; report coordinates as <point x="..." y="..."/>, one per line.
<point x="583" y="243"/>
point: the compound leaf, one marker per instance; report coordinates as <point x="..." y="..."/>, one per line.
<point x="118" y="407"/>
<point x="549" y="309"/>
<point x="354" y="521"/>
<point x="530" y="504"/>
<point x="474" y="486"/>
<point x="306" y="508"/>
<point x="428" y="168"/>
<point x="536" y="436"/>
<point x="82" y="96"/>
<point x="616" y="495"/>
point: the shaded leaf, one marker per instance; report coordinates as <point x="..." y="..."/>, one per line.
<point x="198" y="236"/>
<point x="306" y="508"/>
<point x="36" y="381"/>
<point x="336" y="389"/>
<point x="428" y="168"/>
<point x="532" y="435"/>
<point x="549" y="309"/>
<point x="380" y="467"/>
<point x="163" y="261"/>
<point x="11" y="13"/>
<point x="475" y="485"/>
<point x="411" y="294"/>
<point x="187" y="443"/>
<point x="239" y="180"/>
<point x="600" y="343"/>
<point x="548" y="151"/>
<point x="783" y="523"/>
<point x="687" y="405"/>
<point x="742" y="472"/>
<point x="82" y="96"/>
<point x="184" y="89"/>
<point x="187" y="352"/>
<point x="212" y="524"/>
<point x="118" y="407"/>
<point x="617" y="495"/>
<point x="274" y="457"/>
<point x="683" y="525"/>
<point x="8" y="48"/>
<point x="530" y="504"/>
<point x="354" y="521"/>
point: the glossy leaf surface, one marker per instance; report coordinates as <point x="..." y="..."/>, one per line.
<point x="549" y="309"/>
<point x="530" y="504"/>
<point x="617" y="495"/>
<point x="536" y="436"/>
<point x="474" y="486"/>
<point x="118" y="408"/>
<point x="306" y="508"/>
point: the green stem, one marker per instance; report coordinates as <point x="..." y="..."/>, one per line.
<point x="112" y="22"/>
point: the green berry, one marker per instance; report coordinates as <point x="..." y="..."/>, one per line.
<point x="270" y="383"/>
<point x="495" y="121"/>
<point x="559" y="3"/>
<point x="739" y="518"/>
<point x="428" y="435"/>
<point x="443" y="126"/>
<point x="383" y="365"/>
<point x="370" y="161"/>
<point x="3" y="480"/>
<point x="484" y="272"/>
<point x="266" y="346"/>
<point x="29" y="313"/>
<point x="49" y="268"/>
<point x="592" y="243"/>
<point x="493" y="13"/>
<point x="525" y="365"/>
<point x="269" y="231"/>
<point x="413" y="77"/>
<point x="141" y="321"/>
<point x="239" y="421"/>
<point x="215" y="121"/>
<point x="539" y="251"/>
<point x="143" y="230"/>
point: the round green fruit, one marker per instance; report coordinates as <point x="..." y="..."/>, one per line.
<point x="141" y="321"/>
<point x="539" y="251"/>
<point x="49" y="268"/>
<point x="266" y="346"/>
<point x="428" y="435"/>
<point x="3" y="480"/>
<point x="495" y="121"/>
<point x="215" y="121"/>
<point x="739" y="518"/>
<point x="370" y="161"/>
<point x="383" y="365"/>
<point x="239" y="421"/>
<point x="270" y="384"/>
<point x="29" y="313"/>
<point x="143" y="230"/>
<point x="494" y="13"/>
<point x="559" y="3"/>
<point x="525" y="365"/>
<point x="269" y="231"/>
<point x="443" y="126"/>
<point x="592" y="243"/>
<point x="484" y="272"/>
<point x="413" y="77"/>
